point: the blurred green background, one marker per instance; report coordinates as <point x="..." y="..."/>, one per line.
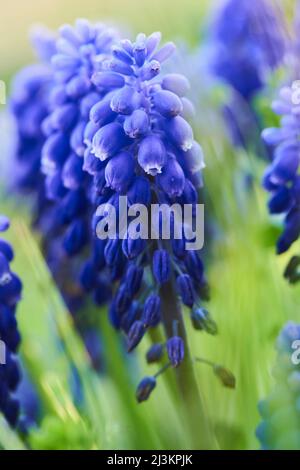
<point x="174" y="18"/>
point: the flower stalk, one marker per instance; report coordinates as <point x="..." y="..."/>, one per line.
<point x="191" y="399"/>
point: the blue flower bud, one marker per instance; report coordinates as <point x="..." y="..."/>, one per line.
<point x="155" y="353"/>
<point x="72" y="173"/>
<point x="137" y="124"/>
<point x="77" y="137"/>
<point x="119" y="66"/>
<point x="100" y="187"/>
<point x="133" y="248"/>
<point x="54" y="187"/>
<point x="72" y="205"/>
<point x="57" y="96"/>
<point x="68" y="63"/>
<point x="176" y="83"/>
<point x="125" y="101"/>
<point x="151" y="312"/>
<point x="101" y="113"/>
<point x="135" y="335"/>
<point x="164" y="52"/>
<point x="75" y="237"/>
<point x="54" y="152"/>
<point x="139" y="192"/>
<point x="291" y="231"/>
<point x="186" y="289"/>
<point x="64" y="117"/>
<point x="122" y="300"/>
<point x="152" y="42"/>
<point x="171" y="180"/>
<point x="10" y="293"/>
<point x="175" y="349"/>
<point x="189" y="195"/>
<point x="86" y="104"/>
<point x="161" y="266"/>
<point x="114" y="316"/>
<point x="78" y="87"/>
<point x="108" y="141"/>
<point x="139" y="49"/>
<point x="180" y="132"/>
<point x="121" y="54"/>
<point x="145" y="387"/>
<point x="133" y="279"/>
<point x="150" y="70"/>
<point x="286" y="162"/>
<point x="92" y="164"/>
<point x="119" y="172"/>
<point x="127" y="46"/>
<point x="194" y="266"/>
<point x="193" y="159"/>
<point x="167" y="103"/>
<point x="188" y="109"/>
<point x="112" y="251"/>
<point x="107" y="80"/>
<point x="152" y="155"/>
<point x="89" y="132"/>
<point x="6" y="249"/>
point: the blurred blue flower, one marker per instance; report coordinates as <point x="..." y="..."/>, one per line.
<point x="281" y="178"/>
<point x="10" y="294"/>
<point x="249" y="46"/>
<point x="28" y="106"/>
<point x="244" y="53"/>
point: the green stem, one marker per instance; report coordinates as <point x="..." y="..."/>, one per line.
<point x="192" y="403"/>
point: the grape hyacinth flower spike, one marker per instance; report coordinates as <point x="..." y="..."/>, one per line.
<point x="10" y="293"/>
<point x="141" y="147"/>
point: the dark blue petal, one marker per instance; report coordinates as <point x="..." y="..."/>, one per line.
<point x="175" y="349"/>
<point x="171" y="180"/>
<point x="186" y="289"/>
<point x="137" y="124"/>
<point x="108" y="141"/>
<point x="161" y="266"/>
<point x="135" y="335"/>
<point x="151" y="312"/>
<point x="119" y="172"/>
<point x="152" y="155"/>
